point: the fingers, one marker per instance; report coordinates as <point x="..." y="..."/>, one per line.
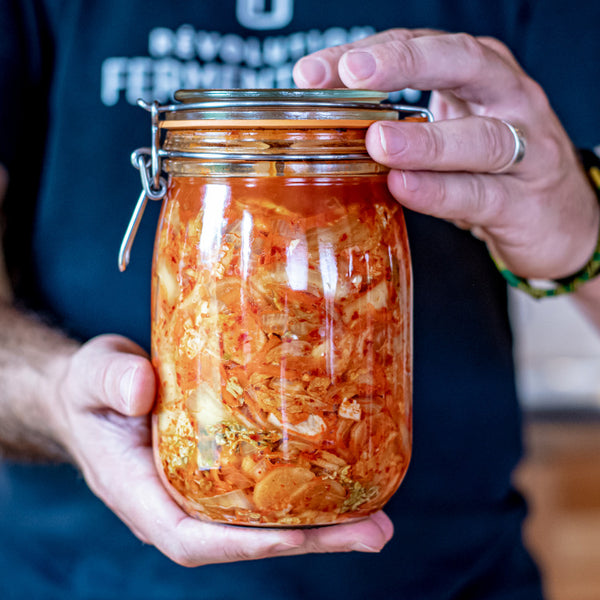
<point x="368" y="535"/>
<point x="474" y="71"/>
<point x="487" y="205"/>
<point x="476" y="144"/>
<point x="131" y="487"/>
<point x="113" y="372"/>
<point x="233" y="543"/>
<point x="473" y="199"/>
<point x="320" y="69"/>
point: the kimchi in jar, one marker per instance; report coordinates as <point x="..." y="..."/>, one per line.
<point x="281" y="309"/>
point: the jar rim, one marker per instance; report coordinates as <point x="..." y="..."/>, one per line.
<point x="189" y="96"/>
<point x="274" y="107"/>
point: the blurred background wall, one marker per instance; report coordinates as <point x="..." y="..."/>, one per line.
<point x="558" y="375"/>
<point x="557" y="354"/>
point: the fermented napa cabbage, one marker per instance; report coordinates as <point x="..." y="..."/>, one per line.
<point x="281" y="337"/>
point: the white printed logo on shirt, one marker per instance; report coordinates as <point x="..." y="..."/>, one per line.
<point x="190" y="57"/>
<point x="187" y="57"/>
<point x="253" y="14"/>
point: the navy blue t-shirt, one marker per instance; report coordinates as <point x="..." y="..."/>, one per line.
<point x="74" y="69"/>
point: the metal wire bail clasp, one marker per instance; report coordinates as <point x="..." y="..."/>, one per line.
<point x="423" y="112"/>
<point x="148" y="160"/>
<point x="154" y="186"/>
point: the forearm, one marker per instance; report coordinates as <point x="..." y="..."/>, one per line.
<point x="33" y="359"/>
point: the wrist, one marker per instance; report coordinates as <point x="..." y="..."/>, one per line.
<point x="589" y="163"/>
<point x="32" y="361"/>
<point x="589" y="244"/>
<point x="53" y="408"/>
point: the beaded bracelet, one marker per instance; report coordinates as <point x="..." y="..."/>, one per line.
<point x="567" y="285"/>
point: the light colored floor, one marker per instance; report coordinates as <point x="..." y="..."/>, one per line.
<point x="561" y="478"/>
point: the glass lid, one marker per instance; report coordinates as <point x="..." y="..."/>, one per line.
<point x="276" y="108"/>
<point x="300" y="95"/>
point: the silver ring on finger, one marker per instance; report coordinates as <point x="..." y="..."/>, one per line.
<point x="519" y="151"/>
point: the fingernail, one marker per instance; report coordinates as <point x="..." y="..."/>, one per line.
<point x="361" y="64"/>
<point x="410" y="181"/>
<point x="312" y="71"/>
<point x="392" y="140"/>
<point x="126" y="387"/>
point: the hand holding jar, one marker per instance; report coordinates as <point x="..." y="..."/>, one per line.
<point x="100" y="416"/>
<point x="496" y="160"/>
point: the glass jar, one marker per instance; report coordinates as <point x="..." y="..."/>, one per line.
<point x="281" y="308"/>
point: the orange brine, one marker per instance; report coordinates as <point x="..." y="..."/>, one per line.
<point x="281" y="335"/>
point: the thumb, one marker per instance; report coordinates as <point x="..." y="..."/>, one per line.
<point x="111" y="371"/>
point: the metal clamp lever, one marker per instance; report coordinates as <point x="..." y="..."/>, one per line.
<point x="148" y="161"/>
<point x="143" y="164"/>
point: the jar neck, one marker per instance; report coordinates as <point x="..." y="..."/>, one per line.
<point x="269" y="151"/>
